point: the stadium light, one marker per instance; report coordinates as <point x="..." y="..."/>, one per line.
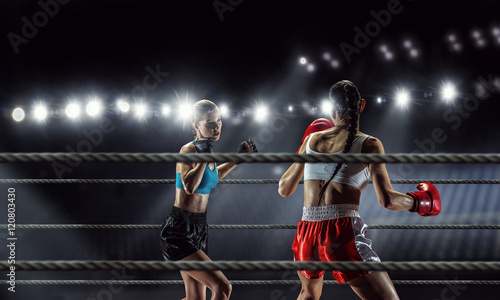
<point x="326" y="107"/>
<point x="93" y="108"/>
<point x="165" y="110"/>
<point x="448" y="92"/>
<point x="18" y="114"/>
<point x="140" y="110"/>
<point x="261" y="113"/>
<point x="185" y="110"/>
<point x="402" y="98"/>
<point x="224" y="110"/>
<point x="123" y="105"/>
<point x="72" y="110"/>
<point x="40" y="112"/>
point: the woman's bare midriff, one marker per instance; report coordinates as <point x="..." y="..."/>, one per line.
<point x="192" y="203"/>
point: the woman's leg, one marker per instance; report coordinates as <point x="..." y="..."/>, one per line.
<point x="311" y="288"/>
<point x="214" y="280"/>
<point x="376" y="285"/>
<point x="194" y="289"/>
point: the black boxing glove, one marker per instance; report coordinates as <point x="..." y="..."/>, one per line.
<point x="204" y="145"/>
<point x="243" y="149"/>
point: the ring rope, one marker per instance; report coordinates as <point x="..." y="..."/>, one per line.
<point x="253" y="265"/>
<point x="237" y="226"/>
<point x="251" y="158"/>
<point x="231" y="181"/>
<point x="242" y="282"/>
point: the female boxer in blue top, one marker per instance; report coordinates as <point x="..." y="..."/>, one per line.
<point x="331" y="228"/>
<point x="184" y="234"/>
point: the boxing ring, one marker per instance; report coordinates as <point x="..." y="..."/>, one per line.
<point x="252" y="266"/>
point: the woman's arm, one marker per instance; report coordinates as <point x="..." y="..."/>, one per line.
<point x="225" y="168"/>
<point x="245" y="147"/>
<point x="291" y="179"/>
<point x="386" y="195"/>
<point x="191" y="174"/>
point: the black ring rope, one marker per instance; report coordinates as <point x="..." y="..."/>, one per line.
<point x="254" y="265"/>
<point x="229" y="181"/>
<point x="236" y="226"/>
<point x="490" y="158"/>
<point x="241" y="282"/>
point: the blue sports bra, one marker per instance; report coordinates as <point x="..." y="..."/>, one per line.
<point x="356" y="175"/>
<point x="208" y="182"/>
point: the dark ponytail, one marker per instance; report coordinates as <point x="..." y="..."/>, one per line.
<point x="347" y="103"/>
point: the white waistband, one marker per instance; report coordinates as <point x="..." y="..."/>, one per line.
<point x="328" y="212"/>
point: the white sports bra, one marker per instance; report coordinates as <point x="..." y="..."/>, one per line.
<point x="353" y="174"/>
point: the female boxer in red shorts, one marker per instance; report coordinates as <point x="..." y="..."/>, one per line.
<point x="184" y="233"/>
<point x="331" y="228"/>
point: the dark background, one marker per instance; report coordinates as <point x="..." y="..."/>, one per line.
<point x="243" y="57"/>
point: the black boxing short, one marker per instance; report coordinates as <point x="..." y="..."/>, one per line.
<point x="183" y="233"/>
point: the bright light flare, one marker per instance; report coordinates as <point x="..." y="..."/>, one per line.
<point x="402" y="98"/>
<point x="261" y="113"/>
<point x="140" y="110"/>
<point x="224" y="110"/>
<point x="123" y="106"/>
<point x="379" y="100"/>
<point x="93" y="108"/>
<point x="326" y="107"/>
<point x="303" y="61"/>
<point x="72" y="110"/>
<point x="18" y="114"/>
<point x="40" y="112"/>
<point x="185" y="110"/>
<point x="448" y="92"/>
<point x="165" y="110"/>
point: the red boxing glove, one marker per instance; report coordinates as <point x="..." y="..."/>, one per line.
<point x="317" y="125"/>
<point x="427" y="200"/>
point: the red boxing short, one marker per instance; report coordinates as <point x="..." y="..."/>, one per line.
<point x="332" y="233"/>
